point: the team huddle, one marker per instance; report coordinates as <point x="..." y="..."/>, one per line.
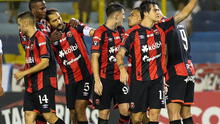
<point x="158" y="59"/>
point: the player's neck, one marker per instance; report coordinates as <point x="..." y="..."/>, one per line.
<point x="147" y="23"/>
<point x="31" y="31"/>
<point x="110" y="23"/>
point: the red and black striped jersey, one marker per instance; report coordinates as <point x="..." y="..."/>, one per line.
<point x="107" y="43"/>
<point x="42" y="26"/>
<point x="146" y="46"/>
<point x="179" y="59"/>
<point x="36" y="48"/>
<point x="71" y="54"/>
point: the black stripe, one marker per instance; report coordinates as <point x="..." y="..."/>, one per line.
<point x="157" y="39"/>
<point x="81" y="62"/>
<point x="110" y="65"/>
<point x="145" y="65"/>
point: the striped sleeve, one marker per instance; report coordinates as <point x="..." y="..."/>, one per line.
<point x="96" y="41"/>
<point x="43" y="45"/>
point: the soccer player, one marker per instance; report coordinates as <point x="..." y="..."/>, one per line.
<point x="179" y="76"/>
<point x="106" y="42"/>
<point x="1" y="88"/>
<point x="146" y="45"/>
<point x="39" y="74"/>
<point x="72" y="56"/>
<point x="134" y="18"/>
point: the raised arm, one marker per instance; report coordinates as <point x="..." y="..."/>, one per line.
<point x="187" y="10"/>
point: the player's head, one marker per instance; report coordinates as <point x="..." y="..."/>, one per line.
<point x="38" y="8"/>
<point x="25" y="20"/>
<point x="150" y="10"/>
<point x="54" y="19"/>
<point x="134" y="18"/>
<point x="116" y="11"/>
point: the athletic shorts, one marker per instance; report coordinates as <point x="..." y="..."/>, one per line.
<point x="42" y="101"/>
<point x="181" y="90"/>
<point x="78" y="91"/>
<point x="146" y="95"/>
<point x="112" y="90"/>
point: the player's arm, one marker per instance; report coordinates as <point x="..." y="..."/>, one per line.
<point x="187" y="10"/>
<point x="82" y="28"/>
<point x="120" y="61"/>
<point x="95" y="67"/>
<point x="44" y="63"/>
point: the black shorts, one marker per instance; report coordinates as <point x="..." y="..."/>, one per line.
<point x="78" y="91"/>
<point x="112" y="90"/>
<point x="181" y="90"/>
<point x="42" y="101"/>
<point x="146" y="94"/>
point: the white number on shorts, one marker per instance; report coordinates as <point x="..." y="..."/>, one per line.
<point x="160" y="94"/>
<point x="125" y="90"/>
<point x="86" y="86"/>
<point x="43" y="99"/>
<point x="184" y="38"/>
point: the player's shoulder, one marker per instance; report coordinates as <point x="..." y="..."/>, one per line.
<point x="40" y="35"/>
<point x="100" y="30"/>
<point x="133" y="29"/>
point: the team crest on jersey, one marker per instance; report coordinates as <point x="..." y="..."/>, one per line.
<point x="156" y="32"/>
<point x="69" y="34"/>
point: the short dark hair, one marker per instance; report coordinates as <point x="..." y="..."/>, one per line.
<point x="49" y="12"/>
<point x="27" y="15"/>
<point x="31" y="2"/>
<point x="145" y="6"/>
<point x="113" y="7"/>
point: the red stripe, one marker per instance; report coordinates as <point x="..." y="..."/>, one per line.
<point x="137" y="47"/>
<point x="41" y="39"/>
<point x="181" y="69"/>
<point x="37" y="60"/>
<point x="104" y="57"/>
<point x="74" y="66"/>
<point x="29" y="87"/>
<point x="53" y="82"/>
<point x="163" y="49"/>
<point x="117" y="45"/>
<point x="152" y="53"/>
<point x="169" y="29"/>
<point x="82" y="49"/>
<point x="40" y="80"/>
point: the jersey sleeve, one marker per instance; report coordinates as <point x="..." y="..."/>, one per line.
<point x="43" y="43"/>
<point x="97" y="41"/>
<point x="167" y="24"/>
